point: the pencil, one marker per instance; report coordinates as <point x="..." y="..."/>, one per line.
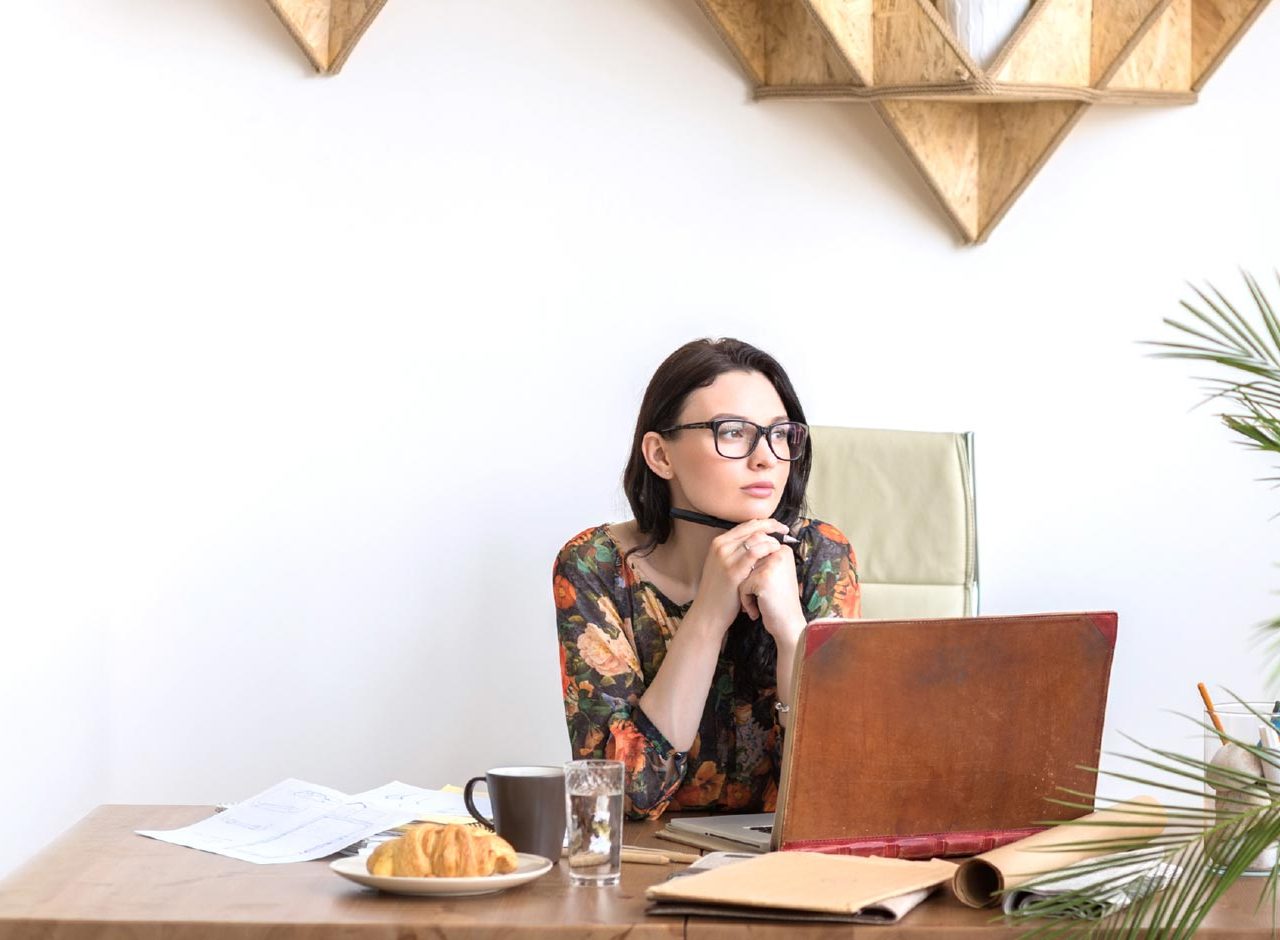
<point x="1213" y="715"/>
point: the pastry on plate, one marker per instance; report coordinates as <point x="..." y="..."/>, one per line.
<point x="435" y="851"/>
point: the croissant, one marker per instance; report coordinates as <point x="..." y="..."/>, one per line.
<point x="452" y="851"/>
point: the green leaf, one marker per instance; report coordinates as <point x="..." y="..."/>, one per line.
<point x="1211" y="846"/>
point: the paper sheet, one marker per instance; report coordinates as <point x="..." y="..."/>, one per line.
<point x="1127" y="882"/>
<point x="296" y="821"/>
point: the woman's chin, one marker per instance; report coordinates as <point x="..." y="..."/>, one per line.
<point x="745" y="511"/>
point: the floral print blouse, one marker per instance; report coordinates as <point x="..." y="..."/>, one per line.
<point x="614" y="630"/>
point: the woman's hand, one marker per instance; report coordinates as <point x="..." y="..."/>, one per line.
<point x="730" y="562"/>
<point x="772" y="593"/>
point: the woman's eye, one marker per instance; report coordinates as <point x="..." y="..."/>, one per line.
<point x="731" y="431"/>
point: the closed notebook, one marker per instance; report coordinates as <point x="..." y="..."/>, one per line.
<point x="913" y="739"/>
<point x="782" y="884"/>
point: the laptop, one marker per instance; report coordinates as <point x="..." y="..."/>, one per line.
<point x="745" y="832"/>
<point x="923" y="738"/>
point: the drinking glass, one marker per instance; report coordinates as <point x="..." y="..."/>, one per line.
<point x="593" y="807"/>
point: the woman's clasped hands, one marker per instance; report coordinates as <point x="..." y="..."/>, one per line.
<point x="748" y="569"/>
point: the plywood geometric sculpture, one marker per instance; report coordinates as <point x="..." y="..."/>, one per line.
<point x="327" y="30"/>
<point x="979" y="134"/>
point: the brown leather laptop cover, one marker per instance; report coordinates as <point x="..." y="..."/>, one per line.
<point x="919" y="738"/>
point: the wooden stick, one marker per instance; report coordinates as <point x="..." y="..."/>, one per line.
<point x="1213" y="715"/>
<point x="644" y="858"/>
<point x="640" y="857"/>
<point x="686" y="857"/>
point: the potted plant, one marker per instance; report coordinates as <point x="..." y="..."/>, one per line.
<point x="1214" y="843"/>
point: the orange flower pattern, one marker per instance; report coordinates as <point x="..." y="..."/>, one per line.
<point x="565" y="594"/>
<point x="614" y="630"/>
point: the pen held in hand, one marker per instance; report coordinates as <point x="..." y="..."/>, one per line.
<point x="716" y="522"/>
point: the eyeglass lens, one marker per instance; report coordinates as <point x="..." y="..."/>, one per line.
<point x="739" y="438"/>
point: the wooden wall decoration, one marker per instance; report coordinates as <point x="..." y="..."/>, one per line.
<point x="327" y="30"/>
<point x="978" y="135"/>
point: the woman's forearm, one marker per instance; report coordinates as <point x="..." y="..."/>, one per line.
<point x="786" y="662"/>
<point x="676" y="697"/>
<point x="788" y="642"/>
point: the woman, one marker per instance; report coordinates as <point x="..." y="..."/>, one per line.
<point x="677" y="639"/>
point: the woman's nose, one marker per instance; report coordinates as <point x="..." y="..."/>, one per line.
<point x="762" y="457"/>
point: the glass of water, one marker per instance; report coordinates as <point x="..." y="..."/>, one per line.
<point x="593" y="796"/>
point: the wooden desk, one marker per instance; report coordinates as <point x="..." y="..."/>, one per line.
<point x="100" y="881"/>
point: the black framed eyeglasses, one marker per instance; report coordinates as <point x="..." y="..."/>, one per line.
<point x="737" y="438"/>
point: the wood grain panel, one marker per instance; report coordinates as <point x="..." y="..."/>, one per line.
<point x="914" y="46"/>
<point x="1217" y="26"/>
<point x="849" y="25"/>
<point x="741" y="25"/>
<point x="308" y="23"/>
<point x="1161" y="61"/>
<point x="348" y="21"/>
<point x="942" y="140"/>
<point x="327" y="30"/>
<point x="979" y="136"/>
<point x="1015" y="141"/>
<point x="798" y="50"/>
<point x="1116" y="27"/>
<point x="1051" y="46"/>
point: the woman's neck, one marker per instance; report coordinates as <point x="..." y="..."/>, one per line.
<point x="681" y="557"/>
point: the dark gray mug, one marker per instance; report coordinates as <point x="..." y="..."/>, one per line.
<point x="528" y="807"/>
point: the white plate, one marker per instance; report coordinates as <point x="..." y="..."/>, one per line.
<point x="528" y="867"/>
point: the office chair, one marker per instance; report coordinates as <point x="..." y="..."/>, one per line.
<point x="906" y="501"/>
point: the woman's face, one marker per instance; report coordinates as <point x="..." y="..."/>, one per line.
<point x="702" y="480"/>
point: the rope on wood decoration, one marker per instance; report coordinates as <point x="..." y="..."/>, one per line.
<point x="978" y="134"/>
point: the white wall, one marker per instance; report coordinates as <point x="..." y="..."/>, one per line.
<point x="304" y="381"/>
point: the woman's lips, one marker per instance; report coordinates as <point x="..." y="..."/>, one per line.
<point x="759" y="490"/>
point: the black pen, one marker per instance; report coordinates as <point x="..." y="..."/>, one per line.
<point x="716" y="522"/>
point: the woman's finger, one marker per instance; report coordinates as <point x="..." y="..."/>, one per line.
<point x="752" y="554"/>
<point x="746" y="529"/>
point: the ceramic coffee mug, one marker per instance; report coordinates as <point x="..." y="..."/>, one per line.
<point x="528" y="807"/>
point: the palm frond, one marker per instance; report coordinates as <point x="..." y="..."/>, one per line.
<point x="1249" y="386"/>
<point x="1211" y="840"/>
<point x="1210" y="846"/>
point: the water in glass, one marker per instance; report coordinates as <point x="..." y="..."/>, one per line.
<point x="593" y="791"/>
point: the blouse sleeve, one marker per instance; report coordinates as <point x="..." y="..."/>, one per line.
<point x="830" y="585"/>
<point x="603" y="680"/>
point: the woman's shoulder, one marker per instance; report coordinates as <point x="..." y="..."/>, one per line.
<point x="816" y="531"/>
<point x="593" y="550"/>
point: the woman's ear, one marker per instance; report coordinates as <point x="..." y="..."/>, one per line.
<point x="654" y="448"/>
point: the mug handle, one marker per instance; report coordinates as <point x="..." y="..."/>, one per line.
<point x="471" y="807"/>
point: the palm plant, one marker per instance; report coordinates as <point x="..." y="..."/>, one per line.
<point x="1211" y="843"/>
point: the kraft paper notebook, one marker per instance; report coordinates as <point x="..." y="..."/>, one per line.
<point x="920" y="738"/>
<point x="804" y="886"/>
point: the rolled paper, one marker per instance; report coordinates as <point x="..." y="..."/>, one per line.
<point x="979" y="879"/>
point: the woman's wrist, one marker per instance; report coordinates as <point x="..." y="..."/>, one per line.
<point x="786" y="632"/>
<point x="704" y="626"/>
<point x="700" y="632"/>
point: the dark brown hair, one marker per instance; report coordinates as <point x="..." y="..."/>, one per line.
<point x="696" y="365"/>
